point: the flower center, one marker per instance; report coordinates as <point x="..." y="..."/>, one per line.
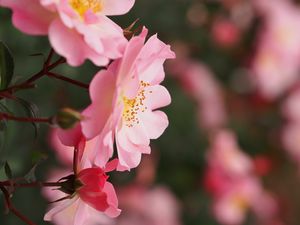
<point x="132" y="107"/>
<point x="82" y="6"/>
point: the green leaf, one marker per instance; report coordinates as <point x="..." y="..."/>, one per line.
<point x="31" y="111"/>
<point x="7" y="170"/>
<point x="30" y="176"/>
<point x="6" y="66"/>
<point x="2" y="163"/>
<point x="3" y="127"/>
<point x="39" y="158"/>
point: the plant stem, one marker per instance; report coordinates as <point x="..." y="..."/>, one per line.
<point x="24" y="119"/>
<point x="33" y="184"/>
<point x="69" y="80"/>
<point x="75" y="160"/>
<point x="12" y="208"/>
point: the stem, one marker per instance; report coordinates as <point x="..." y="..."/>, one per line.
<point x="13" y="209"/>
<point x="69" y="80"/>
<point x="29" y="82"/>
<point x="24" y="119"/>
<point x="75" y="160"/>
<point x="45" y="70"/>
<point x="33" y="184"/>
<point x="48" y="60"/>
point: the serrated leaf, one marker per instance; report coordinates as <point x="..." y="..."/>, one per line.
<point x="7" y="170"/>
<point x="30" y="176"/>
<point x="31" y="111"/>
<point x="6" y="66"/>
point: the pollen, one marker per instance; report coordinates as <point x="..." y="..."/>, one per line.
<point x="133" y="107"/>
<point x="82" y="6"/>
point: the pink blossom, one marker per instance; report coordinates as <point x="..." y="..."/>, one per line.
<point x="225" y="33"/>
<point x="226" y="156"/>
<point x="77" y="29"/>
<point x="125" y="99"/>
<point x="291" y="130"/>
<point x="64" y="153"/>
<point x="276" y="63"/>
<point x="291" y="106"/>
<point x="76" y="211"/>
<point x="231" y="208"/>
<point x="199" y="82"/>
<point x="92" y="192"/>
<point x="233" y="184"/>
<point x="136" y="200"/>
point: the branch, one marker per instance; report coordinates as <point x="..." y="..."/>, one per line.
<point x="30" y="82"/>
<point x="12" y="208"/>
<point x="25" y="119"/>
<point x="69" y="80"/>
<point x="33" y="184"/>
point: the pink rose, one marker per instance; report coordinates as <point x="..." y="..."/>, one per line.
<point x="125" y="99"/>
<point x="92" y="194"/>
<point x="77" y="29"/>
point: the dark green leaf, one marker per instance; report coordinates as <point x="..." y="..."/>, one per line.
<point x="30" y="176"/>
<point x="31" y="111"/>
<point x="2" y="163"/>
<point x="3" y="127"/>
<point x="6" y="66"/>
<point x="7" y="169"/>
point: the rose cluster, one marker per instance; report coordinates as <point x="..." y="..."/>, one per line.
<point x="125" y="97"/>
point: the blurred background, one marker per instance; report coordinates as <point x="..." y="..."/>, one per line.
<point x="231" y="154"/>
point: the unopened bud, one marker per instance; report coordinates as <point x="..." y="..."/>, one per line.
<point x="67" y="118"/>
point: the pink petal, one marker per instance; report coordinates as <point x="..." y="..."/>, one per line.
<point x="104" y="37"/>
<point x="81" y="214"/>
<point x="127" y="159"/>
<point x="29" y="16"/>
<point x="116" y="7"/>
<point x="157" y="96"/>
<point x="104" y="148"/>
<point x="129" y="153"/>
<point x="60" y="206"/>
<point x="137" y="134"/>
<point x="96" y="115"/>
<point x="70" y="44"/>
<point x="155" y="123"/>
<point x="132" y="50"/>
<point x="70" y="137"/>
<point x="112" y="200"/>
<point x="112" y="165"/>
<point x="152" y="57"/>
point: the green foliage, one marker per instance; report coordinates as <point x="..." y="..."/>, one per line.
<point x="31" y="111"/>
<point x="6" y="66"/>
<point x="8" y="171"/>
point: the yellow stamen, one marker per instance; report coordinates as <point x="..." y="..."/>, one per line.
<point x="134" y="106"/>
<point x="82" y="6"/>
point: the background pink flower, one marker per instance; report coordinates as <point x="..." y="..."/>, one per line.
<point x="199" y="82"/>
<point x="276" y="63"/>
<point x="234" y="186"/>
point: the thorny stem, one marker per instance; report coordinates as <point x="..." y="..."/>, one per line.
<point x="10" y="206"/>
<point x="25" y="119"/>
<point x="69" y="80"/>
